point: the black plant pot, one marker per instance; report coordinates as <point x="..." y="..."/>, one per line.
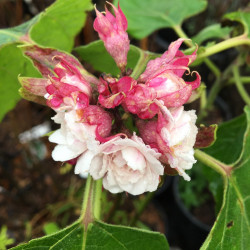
<point x="184" y="230"/>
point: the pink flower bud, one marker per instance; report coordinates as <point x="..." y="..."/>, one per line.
<point x="164" y="74"/>
<point x="94" y="115"/>
<point x="68" y="88"/>
<point x="140" y="101"/>
<point x="112" y="93"/>
<point x="112" y="30"/>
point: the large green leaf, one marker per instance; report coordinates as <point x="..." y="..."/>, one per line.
<point x="242" y="17"/>
<point x="96" y="54"/>
<point x="146" y="16"/>
<point x="100" y="236"/>
<point x="68" y="238"/>
<point x="232" y="227"/>
<point x="12" y="63"/>
<point x="59" y="24"/>
<point x="12" y="35"/>
<point x="105" y="237"/>
<point x="227" y="148"/>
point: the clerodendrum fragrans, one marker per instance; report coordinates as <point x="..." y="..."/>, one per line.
<point x="92" y="112"/>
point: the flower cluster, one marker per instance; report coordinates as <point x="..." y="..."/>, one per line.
<point x="93" y="113"/>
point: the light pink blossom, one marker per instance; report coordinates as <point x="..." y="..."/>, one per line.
<point x="112" y="30"/>
<point x="178" y="138"/>
<point x="174" y="138"/>
<point x="73" y="138"/>
<point x="164" y="76"/>
<point x="124" y="164"/>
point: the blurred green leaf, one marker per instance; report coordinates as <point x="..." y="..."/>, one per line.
<point x="144" y="17"/>
<point x="50" y="228"/>
<point x="243" y="17"/>
<point x="12" y="35"/>
<point x="232" y="227"/>
<point x="4" y="239"/>
<point x="212" y="31"/>
<point x="12" y="63"/>
<point x="96" y="55"/>
<point x="59" y="24"/>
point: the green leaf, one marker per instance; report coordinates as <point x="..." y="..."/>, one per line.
<point x="232" y="227"/>
<point x="60" y="23"/>
<point x="144" y="17"/>
<point x="4" y="239"/>
<point x="243" y="17"/>
<point x="12" y="63"/>
<point x="212" y="31"/>
<point x="96" y="54"/>
<point x="12" y="35"/>
<point x="106" y="237"/>
<point x="100" y="236"/>
<point x="227" y="148"/>
<point x="69" y="238"/>
<point x="50" y="228"/>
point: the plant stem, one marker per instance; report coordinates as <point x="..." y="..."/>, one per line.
<point x="180" y="32"/>
<point x="143" y="205"/>
<point x="227" y="44"/>
<point x="91" y="201"/>
<point x="243" y="79"/>
<point x="213" y="163"/>
<point x="239" y="85"/>
<point x="141" y="64"/>
<point x="212" y="67"/>
<point x="217" y="86"/>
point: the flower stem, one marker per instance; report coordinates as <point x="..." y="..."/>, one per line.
<point x="143" y="205"/>
<point x="217" y="86"/>
<point x="227" y="44"/>
<point x="213" y="163"/>
<point x="91" y="206"/>
<point x="243" y="79"/>
<point x="240" y="86"/>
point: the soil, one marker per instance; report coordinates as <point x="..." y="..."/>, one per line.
<point x="29" y="185"/>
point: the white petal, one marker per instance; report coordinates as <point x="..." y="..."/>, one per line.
<point x="134" y="158"/>
<point x="98" y="168"/>
<point x="110" y="183"/>
<point x="83" y="162"/>
<point x="57" y="137"/>
<point x="64" y="153"/>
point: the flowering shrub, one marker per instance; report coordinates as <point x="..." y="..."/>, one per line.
<point x="125" y="131"/>
<point x="123" y="160"/>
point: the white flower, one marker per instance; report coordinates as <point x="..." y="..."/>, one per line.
<point x="180" y="136"/>
<point x="73" y="138"/>
<point x="124" y="164"/>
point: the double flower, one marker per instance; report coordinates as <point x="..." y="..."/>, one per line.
<point x="92" y="112"/>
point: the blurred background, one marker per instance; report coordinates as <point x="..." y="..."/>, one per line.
<point x="38" y="195"/>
